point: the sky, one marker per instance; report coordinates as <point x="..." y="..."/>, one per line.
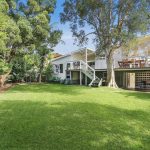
<point x="68" y="45"/>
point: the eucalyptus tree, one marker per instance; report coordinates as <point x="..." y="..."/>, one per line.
<point x="112" y="23"/>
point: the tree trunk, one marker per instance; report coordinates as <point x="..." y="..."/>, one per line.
<point x="3" y="79"/>
<point x="41" y="69"/>
<point x="40" y="77"/>
<point x="110" y="72"/>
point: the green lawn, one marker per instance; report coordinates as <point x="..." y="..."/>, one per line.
<point x="58" y="117"/>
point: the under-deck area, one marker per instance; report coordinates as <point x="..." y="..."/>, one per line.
<point x="77" y="77"/>
<point x="133" y="79"/>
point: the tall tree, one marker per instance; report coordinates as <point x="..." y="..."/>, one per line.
<point x="45" y="38"/>
<point x="9" y="39"/>
<point x="112" y="22"/>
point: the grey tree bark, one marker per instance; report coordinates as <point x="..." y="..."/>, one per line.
<point x="111" y="82"/>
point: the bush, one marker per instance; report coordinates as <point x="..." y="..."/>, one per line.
<point x="48" y="70"/>
<point x="4" y="67"/>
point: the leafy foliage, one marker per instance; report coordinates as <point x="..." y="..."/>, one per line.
<point x="9" y="34"/>
<point x="136" y="44"/>
<point x="25" y="30"/>
<point x="4" y="67"/>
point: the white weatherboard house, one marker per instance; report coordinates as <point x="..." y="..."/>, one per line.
<point x="83" y="67"/>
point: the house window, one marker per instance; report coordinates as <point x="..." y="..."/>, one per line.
<point x="56" y="68"/>
<point x="61" y="68"/>
<point x="68" y="66"/>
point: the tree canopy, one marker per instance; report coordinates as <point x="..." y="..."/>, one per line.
<point x="135" y="45"/>
<point x="25" y="29"/>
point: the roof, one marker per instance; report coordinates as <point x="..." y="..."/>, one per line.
<point x="89" y="51"/>
<point x="56" y="55"/>
<point x="61" y="57"/>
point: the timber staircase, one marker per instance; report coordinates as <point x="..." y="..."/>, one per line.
<point x="90" y="72"/>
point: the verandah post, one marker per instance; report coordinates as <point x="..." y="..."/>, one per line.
<point x="80" y="77"/>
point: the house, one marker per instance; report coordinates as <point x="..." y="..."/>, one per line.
<point x="84" y="68"/>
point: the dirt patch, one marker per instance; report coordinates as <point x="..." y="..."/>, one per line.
<point x="6" y="87"/>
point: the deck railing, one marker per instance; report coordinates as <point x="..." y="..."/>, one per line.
<point x="134" y="63"/>
<point x="81" y="65"/>
<point x="73" y="65"/>
<point x="89" y="71"/>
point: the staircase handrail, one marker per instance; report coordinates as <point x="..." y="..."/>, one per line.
<point x="87" y="67"/>
<point x="82" y="62"/>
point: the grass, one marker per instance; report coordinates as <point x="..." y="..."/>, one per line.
<point x="58" y="117"/>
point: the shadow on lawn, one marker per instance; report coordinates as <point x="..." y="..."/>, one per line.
<point x="47" y="88"/>
<point x="138" y="95"/>
<point x="71" y="126"/>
